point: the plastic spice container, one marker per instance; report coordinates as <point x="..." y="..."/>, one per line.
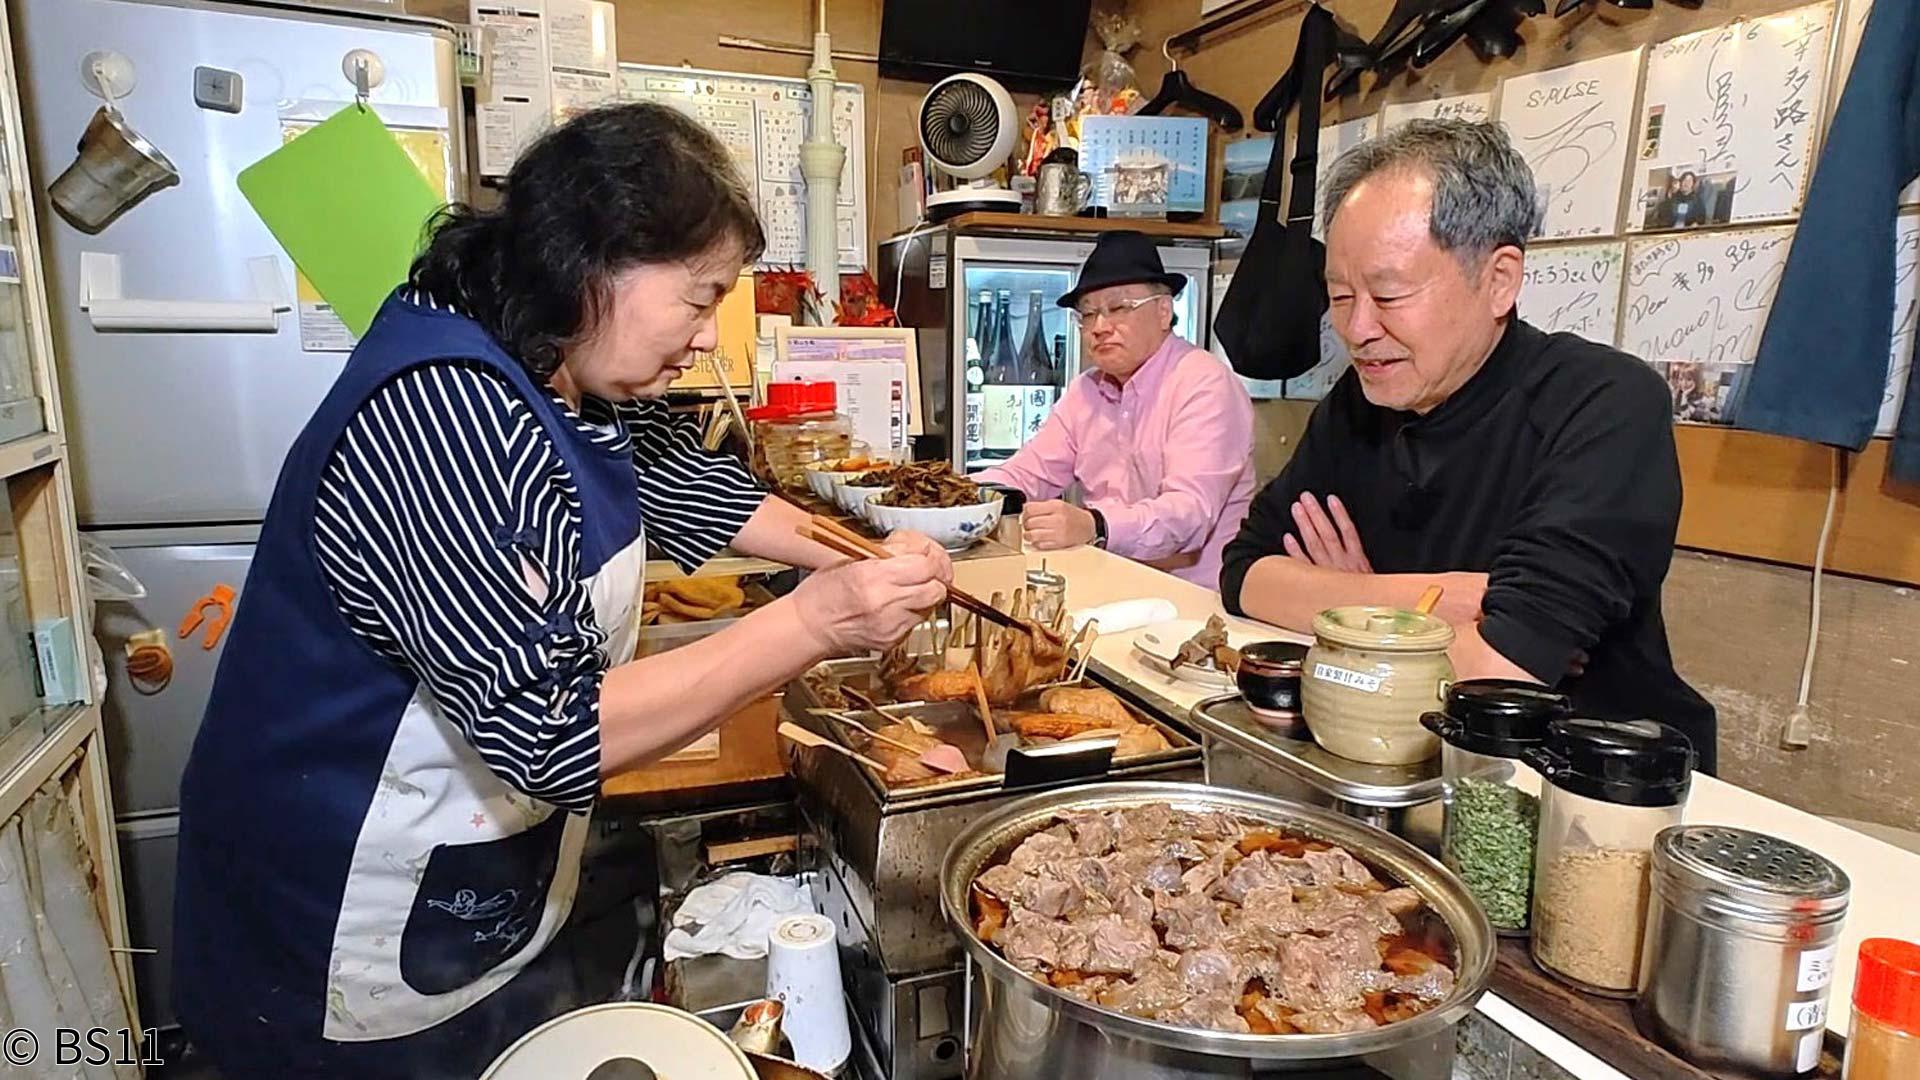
<point x="1742" y="932"/>
<point x="1491" y="798"/>
<point x="1884" y="1042"/>
<point x="797" y="427"/>
<point x="1610" y="788"/>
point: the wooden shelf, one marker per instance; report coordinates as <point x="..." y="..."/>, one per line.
<point x="29" y="453"/>
<point x="986" y="221"/>
<point x="1604" y="1027"/>
<point x="41" y="747"/>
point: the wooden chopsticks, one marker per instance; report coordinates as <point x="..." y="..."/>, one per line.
<point x="832" y="534"/>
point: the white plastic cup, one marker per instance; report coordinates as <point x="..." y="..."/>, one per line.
<point x="803" y="974"/>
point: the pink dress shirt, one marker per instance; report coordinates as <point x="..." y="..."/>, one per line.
<point x="1167" y="458"/>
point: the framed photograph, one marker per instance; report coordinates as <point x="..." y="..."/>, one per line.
<point x="857" y="344"/>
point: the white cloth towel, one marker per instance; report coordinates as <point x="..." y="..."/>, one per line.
<point x="1123" y="615"/>
<point x="733" y="915"/>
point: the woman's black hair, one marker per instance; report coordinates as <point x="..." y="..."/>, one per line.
<point x="617" y="187"/>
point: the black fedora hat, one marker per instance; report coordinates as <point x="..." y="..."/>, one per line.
<point x="1123" y="257"/>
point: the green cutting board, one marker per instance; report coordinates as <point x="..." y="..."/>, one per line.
<point x="349" y="206"/>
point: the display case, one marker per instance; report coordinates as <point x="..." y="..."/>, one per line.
<point x="1010" y="262"/>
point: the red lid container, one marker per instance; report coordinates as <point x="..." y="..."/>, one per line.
<point x="1886" y="985"/>
<point x="792" y="398"/>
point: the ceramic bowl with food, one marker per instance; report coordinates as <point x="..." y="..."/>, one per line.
<point x="826" y="477"/>
<point x="955" y="528"/>
<point x="854" y="498"/>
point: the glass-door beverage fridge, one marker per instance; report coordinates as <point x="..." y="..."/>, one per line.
<point x="996" y="350"/>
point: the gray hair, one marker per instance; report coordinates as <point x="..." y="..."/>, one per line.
<point x="1483" y="192"/>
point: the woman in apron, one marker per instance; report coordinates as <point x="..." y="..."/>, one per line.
<point x="431" y="667"/>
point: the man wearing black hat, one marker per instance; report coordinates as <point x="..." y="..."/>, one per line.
<point x="1157" y="434"/>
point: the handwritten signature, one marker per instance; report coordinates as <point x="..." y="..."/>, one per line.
<point x="1565" y="152"/>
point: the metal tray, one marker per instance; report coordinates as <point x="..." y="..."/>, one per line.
<point x="658" y="637"/>
<point x="956" y="722"/>
<point x="1231" y="720"/>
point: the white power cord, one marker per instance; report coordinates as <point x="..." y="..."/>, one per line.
<point x="900" y="267"/>
<point x="1797" y="732"/>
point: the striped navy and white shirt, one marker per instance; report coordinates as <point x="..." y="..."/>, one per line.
<point x="445" y="447"/>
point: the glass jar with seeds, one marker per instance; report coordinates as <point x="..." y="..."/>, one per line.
<point x="1609" y="790"/>
<point x="1491" y="798"/>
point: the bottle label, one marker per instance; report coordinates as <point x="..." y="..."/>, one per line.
<point x="1036" y="402"/>
<point x="1807" y="1015"/>
<point x="1809" y="1053"/>
<point x="1000" y="418"/>
<point x="974" y="436"/>
<point x="1816" y="968"/>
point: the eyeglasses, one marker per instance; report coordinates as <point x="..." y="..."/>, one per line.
<point x="1084" y="317"/>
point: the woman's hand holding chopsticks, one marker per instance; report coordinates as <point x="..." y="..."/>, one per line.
<point x="872" y="603"/>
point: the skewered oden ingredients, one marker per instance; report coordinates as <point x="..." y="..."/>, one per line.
<point x="1208" y="648"/>
<point x="1207" y="921"/>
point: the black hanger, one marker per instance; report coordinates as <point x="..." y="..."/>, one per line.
<point x="1390" y="50"/>
<point x="1178" y="90"/>
<point x="1567" y="6"/>
<point x="1441" y="31"/>
<point x="1495" y="32"/>
<point x="1351" y="56"/>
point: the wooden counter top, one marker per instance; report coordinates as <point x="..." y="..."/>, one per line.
<point x="751" y="764"/>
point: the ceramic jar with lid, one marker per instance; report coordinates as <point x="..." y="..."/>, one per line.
<point x="1370" y="675"/>
<point x="1610" y="789"/>
<point x="1491" y="798"/>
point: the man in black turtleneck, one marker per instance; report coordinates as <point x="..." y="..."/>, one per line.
<point x="1531" y="475"/>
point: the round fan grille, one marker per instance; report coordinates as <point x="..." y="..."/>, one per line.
<point x="960" y="123"/>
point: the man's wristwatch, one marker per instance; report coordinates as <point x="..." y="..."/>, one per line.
<point x="1099" y="528"/>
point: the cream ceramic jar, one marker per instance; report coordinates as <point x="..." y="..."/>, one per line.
<point x="1370" y="674"/>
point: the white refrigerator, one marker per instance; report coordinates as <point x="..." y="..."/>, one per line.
<point x="178" y="436"/>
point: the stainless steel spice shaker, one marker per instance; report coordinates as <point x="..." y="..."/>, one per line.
<point x="1049" y="594"/>
<point x="1742" y="932"/>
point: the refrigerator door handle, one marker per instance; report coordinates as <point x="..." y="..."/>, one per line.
<point x="100" y="298"/>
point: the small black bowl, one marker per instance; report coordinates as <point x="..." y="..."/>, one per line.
<point x="1269" y="678"/>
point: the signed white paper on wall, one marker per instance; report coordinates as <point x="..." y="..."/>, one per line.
<point x="1702" y="297"/>
<point x="1573" y="125"/>
<point x="1335" y="139"/>
<point x="1471" y="107"/>
<point x="1575" y="288"/>
<point x="1318" y="380"/>
<point x="1727" y="125"/>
